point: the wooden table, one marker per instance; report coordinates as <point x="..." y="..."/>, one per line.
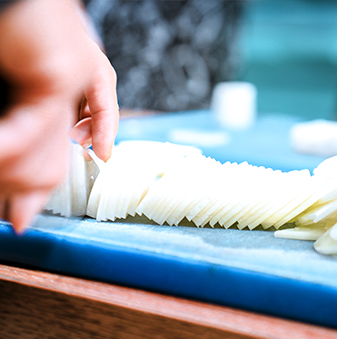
<point x="41" y="305"/>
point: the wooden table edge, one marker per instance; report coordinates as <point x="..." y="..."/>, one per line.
<point x="195" y="312"/>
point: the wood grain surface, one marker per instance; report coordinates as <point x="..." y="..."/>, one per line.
<point x="43" y="305"/>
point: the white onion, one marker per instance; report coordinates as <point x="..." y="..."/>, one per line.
<point x="168" y="182"/>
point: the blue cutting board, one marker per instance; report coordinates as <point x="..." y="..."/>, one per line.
<point x="245" y="269"/>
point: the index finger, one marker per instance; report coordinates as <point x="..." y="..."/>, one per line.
<point x="102" y="101"/>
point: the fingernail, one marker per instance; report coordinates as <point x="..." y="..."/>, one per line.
<point x="86" y="155"/>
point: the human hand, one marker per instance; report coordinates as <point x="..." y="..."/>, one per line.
<point x="51" y="66"/>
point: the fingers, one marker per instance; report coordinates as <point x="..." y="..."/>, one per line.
<point x="102" y="102"/>
<point x="23" y="207"/>
<point x="98" y="111"/>
<point x="33" y="159"/>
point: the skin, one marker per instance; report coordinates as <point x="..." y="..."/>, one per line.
<point x="61" y="86"/>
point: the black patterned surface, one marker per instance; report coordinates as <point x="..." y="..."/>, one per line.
<point x="168" y="54"/>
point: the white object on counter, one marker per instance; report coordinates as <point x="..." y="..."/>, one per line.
<point x="199" y="138"/>
<point x="317" y="137"/>
<point x="234" y="104"/>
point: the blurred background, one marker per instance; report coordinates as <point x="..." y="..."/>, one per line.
<point x="290" y="54"/>
<point x="170" y="54"/>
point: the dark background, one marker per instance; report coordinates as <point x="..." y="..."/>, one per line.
<point x="169" y="54"/>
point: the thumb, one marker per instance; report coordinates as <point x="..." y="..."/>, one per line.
<point x="82" y="132"/>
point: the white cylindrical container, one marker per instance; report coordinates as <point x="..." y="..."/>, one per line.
<point x="234" y="104"/>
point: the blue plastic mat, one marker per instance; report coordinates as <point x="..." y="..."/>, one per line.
<point x="246" y="269"/>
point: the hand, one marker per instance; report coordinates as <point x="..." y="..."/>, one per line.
<point x="52" y="66"/>
<point x="98" y="113"/>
